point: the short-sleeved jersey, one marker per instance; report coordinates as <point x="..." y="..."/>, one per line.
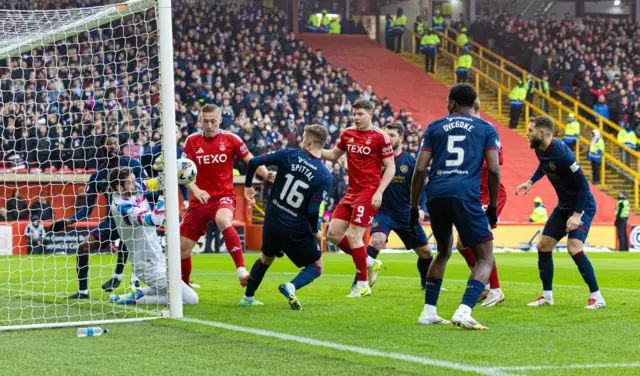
<point x="365" y="152"/>
<point x="214" y="159"/>
<point x="300" y="180"/>
<point x="458" y="143"/>
<point x="396" y="199"/>
<point x="559" y="164"/>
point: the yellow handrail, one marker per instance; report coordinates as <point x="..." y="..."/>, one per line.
<point x="558" y="104"/>
<point x="482" y="51"/>
<point x="503" y="91"/>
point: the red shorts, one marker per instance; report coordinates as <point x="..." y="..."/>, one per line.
<point x="194" y="225"/>
<point x="502" y="201"/>
<point x="356" y="209"/>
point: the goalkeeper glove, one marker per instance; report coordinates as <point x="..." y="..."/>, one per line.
<point x="60" y="225"/>
<point x="492" y="215"/>
<point x="158" y="165"/>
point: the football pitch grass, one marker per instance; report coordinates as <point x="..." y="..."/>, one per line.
<point x="334" y="335"/>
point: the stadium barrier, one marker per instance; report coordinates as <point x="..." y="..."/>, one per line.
<point x="502" y="93"/>
<point x="508" y="74"/>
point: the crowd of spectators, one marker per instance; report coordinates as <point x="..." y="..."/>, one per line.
<point x="59" y="99"/>
<point x="593" y="59"/>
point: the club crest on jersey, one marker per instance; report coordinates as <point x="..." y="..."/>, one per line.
<point x="404" y="169"/>
<point x="368" y="142"/>
<point x="375" y="224"/>
<point x="552" y="165"/>
<point x="222" y="147"/>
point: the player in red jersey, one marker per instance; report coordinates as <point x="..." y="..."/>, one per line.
<point x="368" y="149"/>
<point x="494" y="294"/>
<point x="213" y="197"/>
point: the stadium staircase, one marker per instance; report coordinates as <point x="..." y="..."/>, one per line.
<point x="494" y="83"/>
<point x="423" y="96"/>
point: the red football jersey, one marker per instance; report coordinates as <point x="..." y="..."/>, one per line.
<point x="214" y="159"/>
<point x="365" y="152"/>
<point x="484" y="187"/>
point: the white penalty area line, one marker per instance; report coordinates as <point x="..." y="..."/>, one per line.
<point x="495" y="371"/>
<point x="353" y="349"/>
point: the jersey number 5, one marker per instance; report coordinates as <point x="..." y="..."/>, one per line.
<point x="457" y="152"/>
<point x="290" y="192"/>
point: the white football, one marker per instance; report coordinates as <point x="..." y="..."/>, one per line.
<point x="187" y="171"/>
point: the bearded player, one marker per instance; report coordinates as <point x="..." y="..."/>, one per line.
<point x="212" y="195"/>
<point x="494" y="294"/>
<point x="368" y="149"/>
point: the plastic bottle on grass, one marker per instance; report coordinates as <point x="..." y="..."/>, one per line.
<point x="91" y="332"/>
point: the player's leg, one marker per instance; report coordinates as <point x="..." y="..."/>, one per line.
<point x="122" y="256"/>
<point x="416" y="239"/>
<point x="304" y="252"/>
<point x="473" y="228"/>
<point x="355" y="235"/>
<point x="193" y="226"/>
<point x="553" y="231"/>
<point x="379" y="232"/>
<point x="93" y="242"/>
<point x="443" y="232"/>
<point x="338" y="227"/>
<point x="575" y="246"/>
<point x="425" y="258"/>
<point x="224" y="219"/>
<point x="258" y="272"/>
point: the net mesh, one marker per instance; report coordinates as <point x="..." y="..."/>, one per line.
<point x="69" y="77"/>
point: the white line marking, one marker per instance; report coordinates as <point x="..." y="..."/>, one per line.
<point x="569" y="366"/>
<point x="354" y="349"/>
<point x="450" y="280"/>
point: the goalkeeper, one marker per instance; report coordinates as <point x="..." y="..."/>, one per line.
<point x="105" y="232"/>
<point x="136" y="224"/>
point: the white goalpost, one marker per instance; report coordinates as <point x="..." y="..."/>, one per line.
<point x="69" y="77"/>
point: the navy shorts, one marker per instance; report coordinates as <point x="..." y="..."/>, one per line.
<point x="411" y="239"/>
<point x="300" y="246"/>
<point x="557" y="224"/>
<point x="106" y="231"/>
<point x="468" y="217"/>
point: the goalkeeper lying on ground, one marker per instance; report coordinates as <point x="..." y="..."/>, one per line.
<point x="136" y="224"/>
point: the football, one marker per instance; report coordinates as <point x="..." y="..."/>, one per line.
<point x="187" y="171"/>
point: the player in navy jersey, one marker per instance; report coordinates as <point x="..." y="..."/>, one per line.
<point x="394" y="212"/>
<point x="291" y="219"/>
<point x="456" y="145"/>
<point x="571" y="217"/>
<point x="106" y="230"/>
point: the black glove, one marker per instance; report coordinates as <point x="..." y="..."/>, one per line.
<point x="60" y="225"/>
<point x="414" y="219"/>
<point x="492" y="215"/>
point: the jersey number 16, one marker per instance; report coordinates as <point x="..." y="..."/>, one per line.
<point x="290" y="192"/>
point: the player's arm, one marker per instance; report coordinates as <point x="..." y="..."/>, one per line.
<point x="83" y="212"/>
<point x="261" y="169"/>
<point x="151" y="185"/>
<point x="337" y="151"/>
<point x="537" y="175"/>
<point x="390" y="170"/>
<point x="423" y="203"/>
<point x="583" y="191"/>
<point x="313" y="210"/>
<point x="136" y="216"/>
<point x="417" y="182"/>
<point x="255" y="164"/>
<point x="493" y="182"/>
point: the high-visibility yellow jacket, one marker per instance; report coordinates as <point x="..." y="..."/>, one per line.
<point x="539" y="214"/>
<point x="464" y="62"/>
<point x="628" y="137"/>
<point x="572" y="132"/>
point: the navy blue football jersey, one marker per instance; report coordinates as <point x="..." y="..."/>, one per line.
<point x="458" y="143"/>
<point x="559" y="164"/>
<point x="99" y="183"/>
<point x="396" y="199"/>
<point x="301" y="184"/>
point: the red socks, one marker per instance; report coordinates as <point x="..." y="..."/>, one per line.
<point x="494" y="282"/>
<point x="186" y="270"/>
<point x="360" y="259"/>
<point x="234" y="246"/>
<point x="344" y="245"/>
